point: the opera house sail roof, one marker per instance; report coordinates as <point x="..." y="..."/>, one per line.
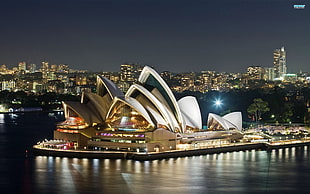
<point x="230" y="121"/>
<point x="147" y="105"/>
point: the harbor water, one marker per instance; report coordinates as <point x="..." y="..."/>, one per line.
<point x="277" y="171"/>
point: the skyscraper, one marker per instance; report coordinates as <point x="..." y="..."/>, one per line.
<point x="22" y="66"/>
<point x="279" y="62"/>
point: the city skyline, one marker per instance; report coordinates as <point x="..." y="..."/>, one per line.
<point x="179" y="36"/>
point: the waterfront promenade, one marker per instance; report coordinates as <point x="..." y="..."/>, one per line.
<point x="232" y="147"/>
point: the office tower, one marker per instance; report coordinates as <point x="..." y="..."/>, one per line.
<point x="279" y="62"/>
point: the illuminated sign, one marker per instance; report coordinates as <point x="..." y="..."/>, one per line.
<point x="299" y="6"/>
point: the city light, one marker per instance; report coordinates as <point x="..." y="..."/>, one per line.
<point x="218" y="102"/>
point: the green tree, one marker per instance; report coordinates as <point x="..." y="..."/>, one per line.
<point x="258" y="108"/>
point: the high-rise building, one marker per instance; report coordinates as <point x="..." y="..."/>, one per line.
<point x="127" y="72"/>
<point x="32" y="68"/>
<point x="256" y="72"/>
<point x="207" y="78"/>
<point x="279" y="62"/>
<point x="44" y="69"/>
<point x="269" y="73"/>
<point x="22" y="66"/>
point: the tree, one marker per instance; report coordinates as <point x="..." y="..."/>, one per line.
<point x="258" y="108"/>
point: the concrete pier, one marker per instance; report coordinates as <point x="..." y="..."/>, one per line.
<point x="168" y="154"/>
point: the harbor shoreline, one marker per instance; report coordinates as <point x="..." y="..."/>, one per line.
<point x="142" y="156"/>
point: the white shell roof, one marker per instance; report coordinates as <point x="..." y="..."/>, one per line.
<point x="190" y="109"/>
<point x="83" y="111"/>
<point x="232" y="121"/>
<point x="164" y="112"/>
<point x="235" y="118"/>
<point x="146" y="72"/>
<point x="97" y="103"/>
<point x="111" y="88"/>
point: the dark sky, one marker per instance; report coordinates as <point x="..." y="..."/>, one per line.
<point x="174" y="35"/>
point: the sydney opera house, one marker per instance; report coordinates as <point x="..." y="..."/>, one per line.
<point x="147" y="117"/>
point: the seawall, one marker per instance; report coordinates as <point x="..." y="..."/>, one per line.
<point x="196" y="152"/>
<point x="168" y="154"/>
<point x="77" y="153"/>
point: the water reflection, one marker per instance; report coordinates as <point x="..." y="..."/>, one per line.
<point x="1" y="118"/>
<point x="236" y="172"/>
<point x="278" y="171"/>
<point x="2" y="124"/>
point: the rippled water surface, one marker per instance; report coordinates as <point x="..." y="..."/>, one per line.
<point x="282" y="171"/>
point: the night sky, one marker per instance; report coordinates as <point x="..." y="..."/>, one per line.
<point x="173" y="35"/>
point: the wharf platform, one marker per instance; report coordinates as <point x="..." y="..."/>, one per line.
<point x="142" y="156"/>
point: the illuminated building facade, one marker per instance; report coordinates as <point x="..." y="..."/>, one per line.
<point x="147" y="117"/>
<point x="269" y="73"/>
<point x="256" y="72"/>
<point x="32" y="68"/>
<point x="128" y="74"/>
<point x="279" y="62"/>
<point x="8" y="85"/>
<point x="22" y="66"/>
